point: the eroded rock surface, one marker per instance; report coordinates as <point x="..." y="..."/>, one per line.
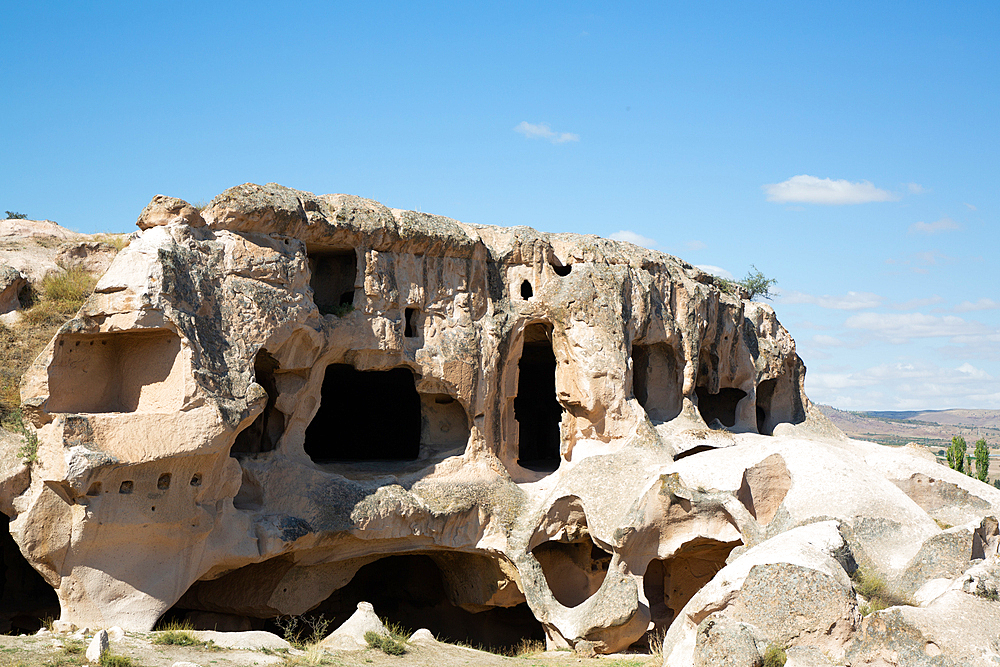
<point x="289" y="403"/>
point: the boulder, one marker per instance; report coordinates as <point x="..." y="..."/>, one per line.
<point x="12" y="282"/>
<point x="98" y="645"/>
<point x="351" y="635"/>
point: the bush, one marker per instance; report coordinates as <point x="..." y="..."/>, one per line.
<point x="876" y="591"/>
<point x="108" y="659"/>
<point x="757" y="284"/>
<point x="384" y="643"/>
<point x="14" y="215"/>
<point x="774" y="656"/>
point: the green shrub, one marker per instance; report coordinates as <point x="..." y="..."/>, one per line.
<point x="386" y="644"/>
<point x="774" y="656"/>
<point x="876" y="591"/>
<point x="108" y="659"/>
<point x="14" y="215"/>
<point x="757" y="285"/>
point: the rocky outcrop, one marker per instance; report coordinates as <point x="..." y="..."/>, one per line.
<point x="287" y="403"/>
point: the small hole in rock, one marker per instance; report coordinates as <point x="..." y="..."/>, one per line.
<point x="153" y="508"/>
<point x="163" y="483"/>
<point x="562" y="270"/>
<point x="526" y="291"/>
<point x="95" y="489"/>
<point x="126" y="487"/>
<point x="196" y="479"/>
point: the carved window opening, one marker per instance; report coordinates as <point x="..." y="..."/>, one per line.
<point x="670" y="583"/>
<point x="778" y="401"/>
<point x="657" y="381"/>
<point x="333" y="275"/>
<point x="131" y="371"/>
<point x="562" y="269"/>
<point x="25" y="598"/>
<point x="536" y="409"/>
<point x="526" y="291"/>
<point x="720" y="406"/>
<point x="410" y="328"/>
<point x="573" y="570"/>
<point x="365" y="416"/>
<point x="263" y="433"/>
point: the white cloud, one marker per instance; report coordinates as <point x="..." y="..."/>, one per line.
<point x="543" y="131"/>
<point x="901" y="327"/>
<point x="694" y="245"/>
<point x="981" y="304"/>
<point x="943" y="225"/>
<point x="632" y="237"/>
<point x="917" y="303"/>
<point x="907" y="385"/>
<point x="916" y="188"/>
<point x="849" y="301"/>
<point x="971" y="207"/>
<point x="827" y="341"/>
<point x="812" y="190"/>
<point x="715" y="271"/>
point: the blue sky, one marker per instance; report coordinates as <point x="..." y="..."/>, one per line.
<point x="851" y="150"/>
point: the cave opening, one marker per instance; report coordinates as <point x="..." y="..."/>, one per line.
<point x="721" y="406"/>
<point x="332" y="276"/>
<point x="410" y="590"/>
<point x="526" y="291"/>
<point x="25" y="598"/>
<point x="263" y="433"/>
<point x="573" y="570"/>
<point x="365" y="416"/>
<point x="562" y="269"/>
<point x="536" y="409"/>
<point x="657" y="381"/>
<point x="670" y="583"/>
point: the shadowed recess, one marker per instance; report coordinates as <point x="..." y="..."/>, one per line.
<point x="365" y="416"/>
<point x="536" y="409"/>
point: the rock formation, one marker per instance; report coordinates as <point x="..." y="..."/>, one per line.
<point x="289" y="403"/>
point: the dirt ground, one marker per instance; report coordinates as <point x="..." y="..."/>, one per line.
<point x="49" y="651"/>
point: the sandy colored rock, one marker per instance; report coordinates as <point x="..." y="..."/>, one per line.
<point x="286" y="403"/>
<point x="98" y="645"/>
<point x="351" y="635"/>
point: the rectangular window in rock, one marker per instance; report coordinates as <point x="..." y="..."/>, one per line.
<point x="130" y="371"/>
<point x="333" y="277"/>
<point x="365" y="416"/>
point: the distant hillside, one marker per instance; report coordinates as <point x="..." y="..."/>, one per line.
<point x="933" y="428"/>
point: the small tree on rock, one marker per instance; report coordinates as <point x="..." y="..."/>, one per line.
<point x="956" y="454"/>
<point x="757" y="284"/>
<point x="982" y="460"/>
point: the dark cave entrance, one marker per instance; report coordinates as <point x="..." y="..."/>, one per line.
<point x="333" y="273"/>
<point x="25" y="598"/>
<point x="536" y="409"/>
<point x="410" y="590"/>
<point x="721" y="406"/>
<point x="365" y="416"/>
<point x="265" y="431"/>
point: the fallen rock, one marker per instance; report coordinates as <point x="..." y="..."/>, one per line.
<point x="251" y="639"/>
<point x="98" y="645"/>
<point x="723" y="642"/>
<point x="12" y="282"/>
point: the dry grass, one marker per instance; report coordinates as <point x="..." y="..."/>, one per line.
<point x="47" y="307"/>
<point x="877" y="592"/>
<point x="117" y="241"/>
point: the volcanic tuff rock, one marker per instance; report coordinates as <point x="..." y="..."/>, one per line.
<point x="288" y="403"/>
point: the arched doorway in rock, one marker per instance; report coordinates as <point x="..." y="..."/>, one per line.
<point x="670" y="583"/>
<point x="25" y="598"/>
<point x="536" y="409"/>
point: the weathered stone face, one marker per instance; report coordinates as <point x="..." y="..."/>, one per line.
<point x="287" y="394"/>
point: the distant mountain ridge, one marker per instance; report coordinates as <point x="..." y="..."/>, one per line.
<point x="933" y="428"/>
